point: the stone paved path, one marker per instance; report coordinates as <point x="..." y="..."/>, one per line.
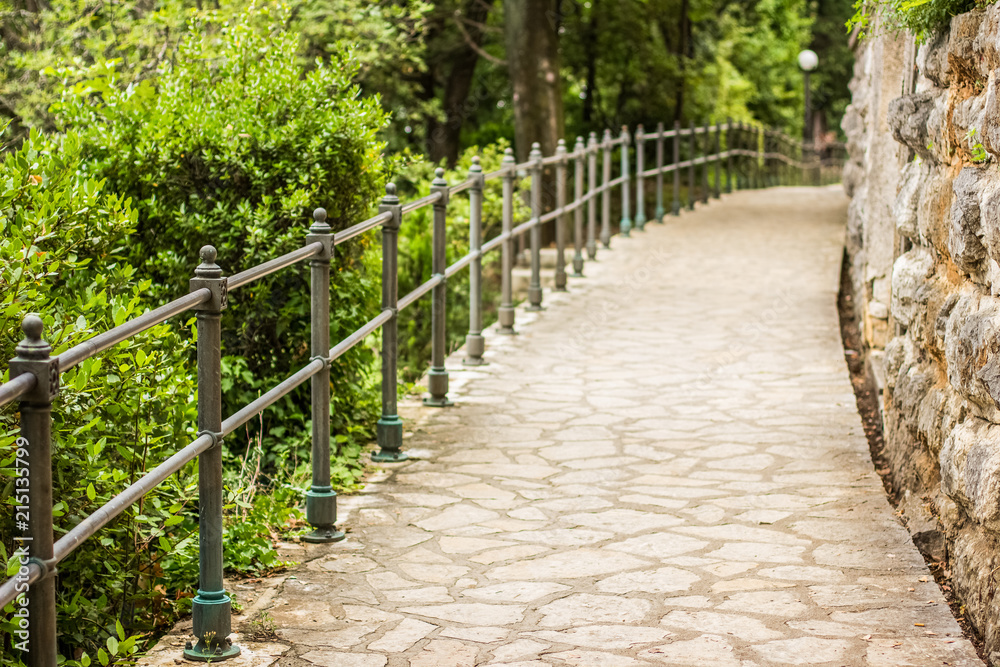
<point x="665" y="468"/>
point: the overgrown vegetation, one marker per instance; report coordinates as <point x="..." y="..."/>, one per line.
<point x="233" y="143"/>
<point x="921" y="18"/>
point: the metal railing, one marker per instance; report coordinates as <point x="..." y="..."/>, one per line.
<point x="740" y="154"/>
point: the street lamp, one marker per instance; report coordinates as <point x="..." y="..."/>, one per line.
<point x="808" y="60"/>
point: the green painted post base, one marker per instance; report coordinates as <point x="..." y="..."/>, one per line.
<point x="640" y="223"/>
<point x="389" y="435"/>
<point x="625" y="226"/>
<point x="321" y="513"/>
<point x="212" y="611"/>
<point x="204" y="653"/>
<point x="660" y="212"/>
<point x="675" y="208"/>
<point x="475" y="346"/>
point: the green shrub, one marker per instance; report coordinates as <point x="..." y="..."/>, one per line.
<point x="62" y="237"/>
<point x="235" y="145"/>
<point x="922" y="18"/>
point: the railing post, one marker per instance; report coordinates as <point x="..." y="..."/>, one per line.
<point x="505" y="314"/>
<point x="660" y="212"/>
<point x="707" y="148"/>
<point x="717" y="189"/>
<point x="535" y="286"/>
<point x="34" y="493"/>
<point x="389" y="428"/>
<point x="640" y="181"/>
<point x="211" y="608"/>
<point x="437" y="376"/>
<point x="692" y="152"/>
<point x="475" y="344"/>
<point x="675" y="204"/>
<point x="626" y="222"/>
<point x="592" y="194"/>
<point x="578" y="169"/>
<point x="729" y="155"/>
<point x="561" y="219"/>
<point x="606" y="191"/>
<point x="321" y="500"/>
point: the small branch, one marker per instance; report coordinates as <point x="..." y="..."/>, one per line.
<point x="471" y="43"/>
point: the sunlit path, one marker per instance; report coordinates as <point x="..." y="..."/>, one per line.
<point x="665" y="467"/>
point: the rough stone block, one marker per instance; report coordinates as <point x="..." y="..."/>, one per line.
<point x="932" y="60"/>
<point x="932" y="211"/>
<point x="970" y="470"/>
<point x="962" y="55"/>
<point x="909" y="274"/>
<point x="972" y="340"/>
<point x="904" y="209"/>
<point x="965" y="235"/>
<point x="907" y="118"/>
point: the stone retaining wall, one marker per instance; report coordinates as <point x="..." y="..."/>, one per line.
<point x="924" y="250"/>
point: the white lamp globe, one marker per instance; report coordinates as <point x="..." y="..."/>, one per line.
<point x="808" y="60"/>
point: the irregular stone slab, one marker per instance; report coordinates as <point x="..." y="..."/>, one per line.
<point x="592" y="659"/>
<point x="621" y="520"/>
<point x="456" y="516"/>
<point x="567" y="565"/>
<point x="483" y="634"/>
<point x="516" y="591"/>
<point x="609" y="637"/>
<point x="434" y="574"/>
<point x="743" y="627"/>
<point x="510" y="553"/>
<point x="562" y="537"/>
<point x="737" y="533"/>
<point x="662" y="580"/>
<point x="584" y="608"/>
<point x="756" y="551"/>
<point x="658" y="545"/>
<point x="771" y="603"/>
<point x="440" y="652"/>
<point x="473" y="613"/>
<point x="340" y="659"/>
<point x="522" y="648"/>
<point x="425" y="595"/>
<point x="466" y="545"/>
<point x="804" y="650"/>
<point x="701" y="652"/>
<point x="403" y="636"/>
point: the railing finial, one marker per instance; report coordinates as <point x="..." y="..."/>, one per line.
<point x="208" y="268"/>
<point x="33" y="346"/>
<point x="476" y="166"/>
<point x="390" y="198"/>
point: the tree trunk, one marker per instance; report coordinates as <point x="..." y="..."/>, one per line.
<point x="443" y="141"/>
<point x="531" y="31"/>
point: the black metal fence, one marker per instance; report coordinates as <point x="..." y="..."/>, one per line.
<point x="714" y="159"/>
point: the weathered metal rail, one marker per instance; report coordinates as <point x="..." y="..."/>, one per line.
<point x="740" y="154"/>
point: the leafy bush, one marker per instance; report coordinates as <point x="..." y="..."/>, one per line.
<point x="919" y="17"/>
<point x="62" y="237"/>
<point x="235" y="145"/>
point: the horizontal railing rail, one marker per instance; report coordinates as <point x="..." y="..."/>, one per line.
<point x="741" y="154"/>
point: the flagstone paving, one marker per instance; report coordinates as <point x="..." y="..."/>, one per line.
<point x="666" y="467"/>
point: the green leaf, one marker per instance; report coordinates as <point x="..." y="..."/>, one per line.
<point x="102" y="657"/>
<point x="91" y="493"/>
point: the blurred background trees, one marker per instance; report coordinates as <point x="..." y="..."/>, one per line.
<point x="455" y="73"/>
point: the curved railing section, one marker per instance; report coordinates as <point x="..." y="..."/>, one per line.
<point x="730" y="155"/>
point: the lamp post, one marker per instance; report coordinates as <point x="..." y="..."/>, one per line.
<point x="808" y="60"/>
